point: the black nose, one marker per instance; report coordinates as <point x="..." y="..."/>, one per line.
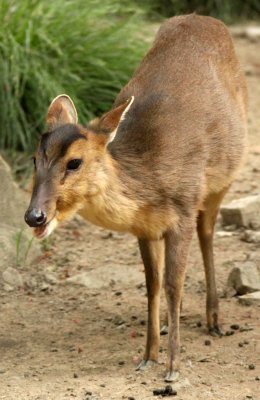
<point x="34" y="217"/>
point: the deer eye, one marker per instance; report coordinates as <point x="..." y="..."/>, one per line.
<point x="73" y="165"/>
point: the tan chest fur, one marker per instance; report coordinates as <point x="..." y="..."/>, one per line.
<point x="119" y="213"/>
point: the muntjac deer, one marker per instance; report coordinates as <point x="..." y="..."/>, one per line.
<point x="157" y="165"/>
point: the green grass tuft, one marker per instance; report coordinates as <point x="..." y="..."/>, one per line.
<point x="87" y="49"/>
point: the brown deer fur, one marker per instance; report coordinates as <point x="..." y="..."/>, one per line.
<point x="156" y="165"/>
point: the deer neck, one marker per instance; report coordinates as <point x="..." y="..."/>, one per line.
<point x="112" y="205"/>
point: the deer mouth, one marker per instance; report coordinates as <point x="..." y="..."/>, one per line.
<point x="45" y="230"/>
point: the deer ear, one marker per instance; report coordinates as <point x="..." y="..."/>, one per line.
<point x="61" y="111"/>
<point x="110" y="121"/>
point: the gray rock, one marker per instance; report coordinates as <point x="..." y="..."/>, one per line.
<point x="249" y="32"/>
<point x="50" y="278"/>
<point x="44" y="287"/>
<point x="250" y="299"/>
<point x="8" y="288"/>
<point x="242" y="213"/>
<point x="87" y="280"/>
<point x="244" y="279"/>
<point x="182" y="383"/>
<point x="224" y="234"/>
<point x="13" y="201"/>
<point x="253" y="33"/>
<point x="12" y="277"/>
<point x="251" y="236"/>
<point x="15" y="236"/>
<point x="104" y="275"/>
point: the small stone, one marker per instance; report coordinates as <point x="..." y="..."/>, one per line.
<point x="44" y="287"/>
<point x="230" y="229"/>
<point x="118" y="320"/>
<point x="224" y="234"/>
<point x="121" y="362"/>
<point x="244" y="279"/>
<point x="246" y="329"/>
<point x="12" y="277"/>
<point x="251" y="366"/>
<point x="241" y="212"/>
<point x="108" y="235"/>
<point x="75" y="375"/>
<point x="8" y="288"/>
<point x="118" y="293"/>
<point x="131" y="398"/>
<point x="235" y="327"/>
<point x="199" y="324"/>
<point x="121" y="327"/>
<point x="248" y="300"/>
<point x="142" y="322"/>
<point x="164" y="330"/>
<point x="240" y="344"/>
<point x="207" y="342"/>
<point x="257" y="378"/>
<point x="140" y="285"/>
<point x="252" y="33"/>
<point x="251" y="236"/>
<point x="50" y="278"/>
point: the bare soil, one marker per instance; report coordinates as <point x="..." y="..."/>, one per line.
<point x="61" y="340"/>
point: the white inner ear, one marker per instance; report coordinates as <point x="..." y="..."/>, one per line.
<point x="113" y="134"/>
<point x="127" y="109"/>
<point x="72" y="109"/>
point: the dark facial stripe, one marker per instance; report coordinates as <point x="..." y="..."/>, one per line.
<point x="44" y="142"/>
<point x="68" y="141"/>
<point x="58" y="141"/>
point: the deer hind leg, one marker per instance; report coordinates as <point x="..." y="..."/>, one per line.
<point x="205" y="227"/>
<point x="152" y="253"/>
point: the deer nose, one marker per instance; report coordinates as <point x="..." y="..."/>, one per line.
<point x="34" y="217"/>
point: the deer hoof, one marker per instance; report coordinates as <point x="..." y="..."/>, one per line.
<point x="172" y="376"/>
<point x="216" y="331"/>
<point x="145" y="364"/>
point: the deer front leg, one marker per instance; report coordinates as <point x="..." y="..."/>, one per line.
<point x="152" y="252"/>
<point x="176" y="251"/>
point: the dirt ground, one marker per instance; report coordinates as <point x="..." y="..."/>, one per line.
<point x="61" y="340"/>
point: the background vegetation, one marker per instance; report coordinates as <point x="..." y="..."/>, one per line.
<point x="88" y="49"/>
<point x="227" y="10"/>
